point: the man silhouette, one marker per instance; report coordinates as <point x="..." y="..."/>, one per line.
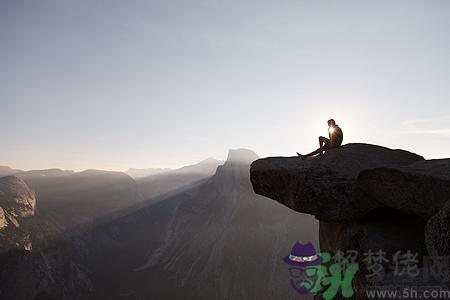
<point x="335" y="140"/>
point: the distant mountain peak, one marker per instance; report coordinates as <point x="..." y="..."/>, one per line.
<point x="139" y="173"/>
<point x="235" y="171"/>
<point x="6" y="170"/>
<point x="241" y="156"/>
<point x="210" y="160"/>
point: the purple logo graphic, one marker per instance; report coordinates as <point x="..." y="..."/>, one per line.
<point x="304" y="262"/>
<point x="317" y="273"/>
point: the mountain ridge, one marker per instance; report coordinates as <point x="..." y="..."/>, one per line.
<point x="199" y="243"/>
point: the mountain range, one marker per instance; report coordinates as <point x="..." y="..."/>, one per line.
<point x="138" y="173"/>
<point x="206" y="237"/>
<point x="155" y="185"/>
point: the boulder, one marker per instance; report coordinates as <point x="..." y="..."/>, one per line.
<point x="326" y="187"/>
<point x="421" y="188"/>
<point x="16" y="198"/>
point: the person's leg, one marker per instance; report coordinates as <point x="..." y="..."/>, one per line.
<point x="322" y="141"/>
<point x="323" y="146"/>
<point x="315" y="152"/>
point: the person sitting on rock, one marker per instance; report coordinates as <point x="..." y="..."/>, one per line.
<point x="335" y="140"/>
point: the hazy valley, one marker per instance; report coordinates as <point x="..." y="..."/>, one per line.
<point x="205" y="235"/>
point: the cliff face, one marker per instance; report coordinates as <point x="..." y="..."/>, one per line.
<point x="201" y="243"/>
<point x="366" y="197"/>
<point x="17" y="205"/>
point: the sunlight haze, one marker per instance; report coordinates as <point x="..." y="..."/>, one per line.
<point x="139" y="84"/>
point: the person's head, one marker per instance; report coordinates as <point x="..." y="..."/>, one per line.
<point x="331" y="123"/>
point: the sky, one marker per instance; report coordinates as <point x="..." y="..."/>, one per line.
<point x="119" y="84"/>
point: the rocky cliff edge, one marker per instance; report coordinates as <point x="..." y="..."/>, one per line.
<point x="365" y="196"/>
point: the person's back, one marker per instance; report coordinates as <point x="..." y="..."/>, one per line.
<point x="336" y="136"/>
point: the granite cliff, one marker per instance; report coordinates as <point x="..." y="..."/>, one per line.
<point x="17" y="206"/>
<point x="366" y="197"/>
